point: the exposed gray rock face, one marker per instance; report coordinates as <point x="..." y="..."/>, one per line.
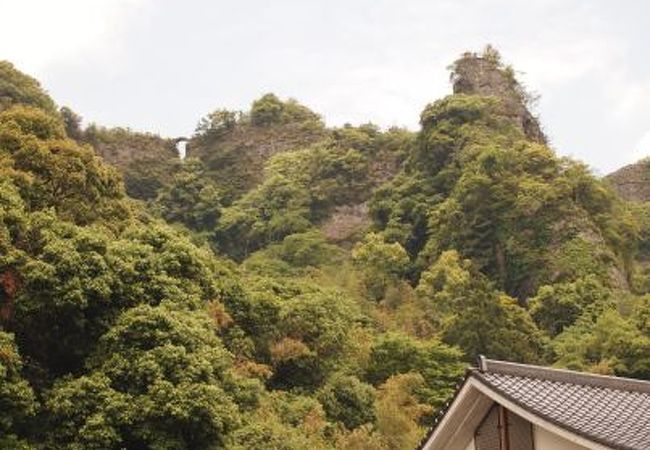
<point x="632" y="182"/>
<point x="477" y="75"/>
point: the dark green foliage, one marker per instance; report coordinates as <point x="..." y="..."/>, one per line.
<point x="475" y="184"/>
<point x="558" y="306"/>
<point x="72" y="123"/>
<point x="190" y="198"/>
<point x="159" y="379"/>
<point x="267" y="110"/>
<point x="81" y="279"/>
<point x="316" y="329"/>
<point x="514" y="337"/>
<point x="347" y="400"/>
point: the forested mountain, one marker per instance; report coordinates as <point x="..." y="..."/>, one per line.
<point x="290" y="285"/>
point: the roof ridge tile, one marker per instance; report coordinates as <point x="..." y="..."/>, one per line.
<point x="565" y="376"/>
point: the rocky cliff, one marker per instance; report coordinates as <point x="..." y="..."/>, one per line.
<point x="484" y="75"/>
<point x="632" y="182"/>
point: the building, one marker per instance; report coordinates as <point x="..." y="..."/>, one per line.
<point x="507" y="406"/>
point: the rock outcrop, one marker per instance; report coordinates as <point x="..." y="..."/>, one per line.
<point x="484" y="75"/>
<point x="632" y="182"/>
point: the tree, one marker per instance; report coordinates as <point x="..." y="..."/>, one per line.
<point x="191" y="198"/>
<point x="460" y="302"/>
<point x="216" y="124"/>
<point x="439" y="365"/>
<point x="72" y="123"/>
<point x="316" y="327"/>
<point x="399" y="411"/>
<point x="381" y="263"/>
<point x="347" y="400"/>
<point x="477" y="183"/>
<point x="558" y="306"/>
<point x="18" y="88"/>
<point x="17" y="400"/>
<point x="53" y="172"/>
<point x="160" y="378"/>
<point x="607" y="343"/>
<point x="82" y="278"/>
<point x="267" y="110"/>
<point x="443" y="284"/>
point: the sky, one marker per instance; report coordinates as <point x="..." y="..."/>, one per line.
<point x="160" y="65"/>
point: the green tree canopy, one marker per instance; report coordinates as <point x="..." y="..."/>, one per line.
<point x="18" y="88"/>
<point x="159" y="379"/>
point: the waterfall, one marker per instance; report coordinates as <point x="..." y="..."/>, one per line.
<point x="181" y="147"/>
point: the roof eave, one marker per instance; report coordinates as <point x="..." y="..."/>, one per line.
<point x="472" y="402"/>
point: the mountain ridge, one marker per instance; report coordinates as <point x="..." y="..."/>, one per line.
<point x="290" y="285"/>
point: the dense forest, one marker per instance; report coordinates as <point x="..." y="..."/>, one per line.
<point x="289" y="285"/>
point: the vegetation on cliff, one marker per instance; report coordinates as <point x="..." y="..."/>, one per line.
<point x="290" y="285"/>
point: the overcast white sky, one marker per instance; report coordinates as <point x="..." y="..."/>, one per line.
<point x="159" y="65"/>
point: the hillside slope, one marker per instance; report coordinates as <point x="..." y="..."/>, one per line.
<point x="290" y="285"/>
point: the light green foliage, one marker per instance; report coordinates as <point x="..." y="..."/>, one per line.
<point x="381" y="263"/>
<point x="297" y="252"/>
<point x="444" y="284"/>
<point x="17" y="401"/>
<point x="18" y="88"/>
<point x="480" y="240"/>
<point x="559" y="305"/>
<point x="347" y="400"/>
<point x="607" y="343"/>
<point x="275" y="436"/>
<point x="53" y="172"/>
<point x="299" y="187"/>
<point x="269" y="110"/>
<point x="457" y="300"/>
<point x="285" y="421"/>
<point x="399" y="411"/>
<point x="276" y="209"/>
<point x="439" y="364"/>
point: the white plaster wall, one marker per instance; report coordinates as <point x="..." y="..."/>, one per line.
<point x="545" y="440"/>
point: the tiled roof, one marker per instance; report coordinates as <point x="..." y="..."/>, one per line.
<point x="611" y="411"/>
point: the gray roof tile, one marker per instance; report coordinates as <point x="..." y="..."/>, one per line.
<point x="612" y="411"/>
